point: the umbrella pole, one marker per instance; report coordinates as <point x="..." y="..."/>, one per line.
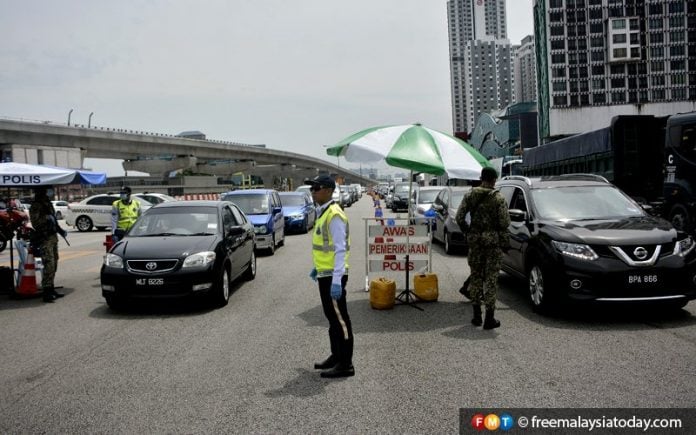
<point x="407" y="297"/>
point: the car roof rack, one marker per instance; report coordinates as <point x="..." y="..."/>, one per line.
<point x="587" y="177"/>
<point x="518" y="178"/>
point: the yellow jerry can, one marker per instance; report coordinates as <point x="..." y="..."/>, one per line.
<point x="425" y="286"/>
<point x="382" y="293"/>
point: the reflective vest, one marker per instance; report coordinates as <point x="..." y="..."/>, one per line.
<point x="127" y="213"/>
<point x="323" y="252"/>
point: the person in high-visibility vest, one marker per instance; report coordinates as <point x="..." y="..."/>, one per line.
<point x="124" y="212"/>
<point x="330" y="254"/>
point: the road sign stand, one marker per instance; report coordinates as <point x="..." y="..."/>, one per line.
<point x="379" y="233"/>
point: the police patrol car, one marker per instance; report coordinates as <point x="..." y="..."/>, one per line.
<point x="95" y="211"/>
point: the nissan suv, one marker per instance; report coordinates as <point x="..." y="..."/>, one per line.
<point x="577" y="237"/>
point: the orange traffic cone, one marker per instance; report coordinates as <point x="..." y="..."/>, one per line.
<point x="27" y="282"/>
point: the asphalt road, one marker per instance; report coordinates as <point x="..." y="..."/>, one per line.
<point x="77" y="367"/>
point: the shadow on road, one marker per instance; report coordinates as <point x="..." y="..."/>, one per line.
<point x="179" y="307"/>
<point x="595" y="316"/>
<point x="307" y="383"/>
<point x="9" y="301"/>
<point x="512" y="297"/>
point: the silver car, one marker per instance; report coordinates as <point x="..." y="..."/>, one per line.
<point x="445" y="228"/>
<point x="422" y="201"/>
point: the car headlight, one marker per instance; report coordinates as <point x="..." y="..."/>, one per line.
<point x="575" y="250"/>
<point x="200" y="259"/>
<point x="113" y="260"/>
<point x="261" y="229"/>
<point x="684" y="246"/>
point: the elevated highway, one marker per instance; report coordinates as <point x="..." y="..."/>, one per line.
<point x="159" y="154"/>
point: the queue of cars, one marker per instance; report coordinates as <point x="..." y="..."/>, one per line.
<point x="192" y="248"/>
<point x="576" y="238"/>
<point x="573" y="238"/>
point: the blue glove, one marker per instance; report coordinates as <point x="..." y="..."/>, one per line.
<point x="313" y="274"/>
<point x="336" y="291"/>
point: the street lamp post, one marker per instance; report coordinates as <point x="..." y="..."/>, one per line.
<point x="89" y="120"/>
<point x="69" y="114"/>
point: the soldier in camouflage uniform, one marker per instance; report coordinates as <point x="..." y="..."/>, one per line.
<point x="46" y="228"/>
<point x="487" y="236"/>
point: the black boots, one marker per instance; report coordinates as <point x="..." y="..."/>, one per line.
<point x="339" y="371"/>
<point x="49" y="297"/>
<point x="477" y="321"/>
<point x="490" y="322"/>
<point x="50" y="294"/>
<point x="328" y="363"/>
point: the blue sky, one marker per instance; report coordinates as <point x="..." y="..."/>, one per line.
<point x="292" y="75"/>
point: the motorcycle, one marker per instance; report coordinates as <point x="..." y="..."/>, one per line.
<point x="13" y="222"/>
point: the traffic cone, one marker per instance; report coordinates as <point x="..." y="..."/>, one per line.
<point x="27" y="282"/>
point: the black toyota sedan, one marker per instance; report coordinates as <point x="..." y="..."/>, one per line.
<point x="181" y="248"/>
<point x="579" y="238"/>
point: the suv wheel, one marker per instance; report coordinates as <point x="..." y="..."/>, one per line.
<point x="538" y="289"/>
<point x="680" y="219"/>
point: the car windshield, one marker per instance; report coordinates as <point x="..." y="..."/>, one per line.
<point x="584" y="203"/>
<point x="457" y="198"/>
<point x="401" y="188"/>
<point x="427" y="196"/>
<point x="179" y="221"/>
<point x="292" y="200"/>
<point x="251" y="203"/>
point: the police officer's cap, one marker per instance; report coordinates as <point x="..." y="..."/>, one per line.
<point x="126" y="189"/>
<point x="321" y="181"/>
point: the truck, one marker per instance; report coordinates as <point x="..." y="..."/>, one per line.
<point x="651" y="158"/>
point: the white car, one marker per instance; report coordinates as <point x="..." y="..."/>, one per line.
<point x="61" y="208"/>
<point x="305" y="188"/>
<point x="95" y="211"/>
<point x="155" y="198"/>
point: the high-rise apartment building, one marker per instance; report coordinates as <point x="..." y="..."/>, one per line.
<point x="525" y="71"/>
<point x="597" y="59"/>
<point x="480" y="60"/>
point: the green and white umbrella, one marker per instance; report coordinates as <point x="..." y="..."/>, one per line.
<point x="413" y="147"/>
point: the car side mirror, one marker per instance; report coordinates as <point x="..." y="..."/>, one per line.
<point x="235" y="231"/>
<point x="437" y="207"/>
<point x="277" y="210"/>
<point x="517" y="215"/>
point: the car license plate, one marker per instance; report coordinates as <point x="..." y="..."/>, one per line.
<point x="643" y="279"/>
<point x="149" y="281"/>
